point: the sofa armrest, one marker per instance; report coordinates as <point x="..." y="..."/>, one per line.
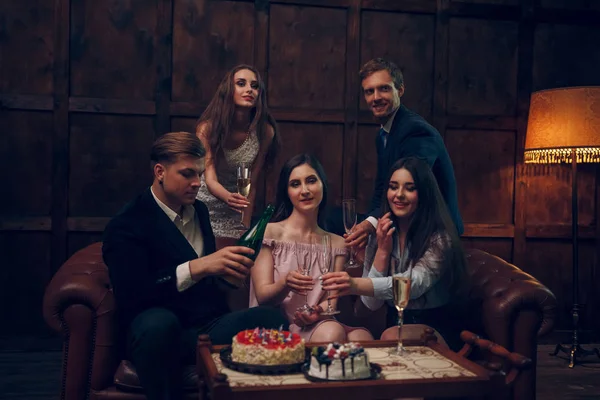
<point x="503" y="290"/>
<point x="515" y="310"/>
<point x="79" y="303"/>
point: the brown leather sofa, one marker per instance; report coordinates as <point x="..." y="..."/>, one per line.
<point x="507" y="306"/>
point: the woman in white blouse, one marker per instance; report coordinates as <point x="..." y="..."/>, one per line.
<point x="415" y="232"/>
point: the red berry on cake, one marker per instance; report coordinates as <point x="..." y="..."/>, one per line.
<point x="267" y="347"/>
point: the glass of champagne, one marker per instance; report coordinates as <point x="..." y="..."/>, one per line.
<point x="325" y="262"/>
<point x="304" y="255"/>
<point x="349" y="217"/>
<point x="401" y="288"/>
<point x="243" y="182"/>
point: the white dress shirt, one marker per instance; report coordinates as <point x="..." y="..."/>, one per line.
<point x="188" y="226"/>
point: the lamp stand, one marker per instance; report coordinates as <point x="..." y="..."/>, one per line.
<point x="575" y="350"/>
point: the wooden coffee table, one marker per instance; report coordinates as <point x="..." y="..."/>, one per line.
<point x="428" y="370"/>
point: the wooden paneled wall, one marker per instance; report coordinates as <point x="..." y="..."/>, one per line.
<point x="87" y="85"/>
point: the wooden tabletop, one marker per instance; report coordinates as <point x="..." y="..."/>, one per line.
<point x="429" y="370"/>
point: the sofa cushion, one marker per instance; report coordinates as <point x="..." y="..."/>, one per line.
<point x="126" y="378"/>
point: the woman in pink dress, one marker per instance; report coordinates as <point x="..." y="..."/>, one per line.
<point x="276" y="279"/>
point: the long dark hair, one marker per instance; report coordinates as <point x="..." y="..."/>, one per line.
<point x="283" y="204"/>
<point x="431" y="220"/>
<point x="220" y="112"/>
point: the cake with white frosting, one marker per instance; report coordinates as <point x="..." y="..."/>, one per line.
<point x="267" y="347"/>
<point x="336" y="361"/>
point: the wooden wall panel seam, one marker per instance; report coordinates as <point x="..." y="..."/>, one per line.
<point x="87" y="224"/>
<point x="43" y="224"/>
<point x="309" y="115"/>
<point x="482" y="122"/>
<point x="60" y="160"/>
<point x="261" y="62"/>
<point x="186" y="108"/>
<point x="26" y="102"/>
<point x="190" y="109"/>
<point x="558" y="231"/>
<point x="472" y="230"/>
<point x="421" y="6"/>
<point x="566" y="16"/>
<point x="164" y="62"/>
<point x="488" y="11"/>
<point x="353" y="32"/>
<point x="112" y="106"/>
<point x="440" y="70"/>
<point x="315" y="3"/>
<point x="488" y="230"/>
<point x="524" y="87"/>
<point x="484" y="11"/>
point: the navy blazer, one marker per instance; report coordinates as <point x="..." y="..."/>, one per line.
<point x="412" y="136"/>
<point x="142" y="248"/>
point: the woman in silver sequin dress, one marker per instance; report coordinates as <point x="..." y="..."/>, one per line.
<point x="235" y="128"/>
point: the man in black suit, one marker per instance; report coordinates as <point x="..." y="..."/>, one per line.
<point x="403" y="133"/>
<point x="168" y="279"/>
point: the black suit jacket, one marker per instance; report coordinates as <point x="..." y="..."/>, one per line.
<point x="412" y="136"/>
<point x="142" y="248"/>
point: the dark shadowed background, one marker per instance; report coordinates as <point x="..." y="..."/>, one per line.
<point x="87" y="85"/>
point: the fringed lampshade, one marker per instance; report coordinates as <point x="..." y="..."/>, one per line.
<point x="561" y="120"/>
<point x="564" y="127"/>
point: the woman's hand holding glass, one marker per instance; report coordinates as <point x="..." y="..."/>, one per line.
<point x="298" y="283"/>
<point x="349" y="217"/>
<point x="324" y="262"/>
<point x="307" y="318"/>
<point x="243" y="185"/>
<point x="340" y="282"/>
<point x="237" y="202"/>
<point x="401" y="287"/>
<point x="304" y="258"/>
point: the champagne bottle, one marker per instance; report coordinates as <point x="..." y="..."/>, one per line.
<point x="253" y="239"/>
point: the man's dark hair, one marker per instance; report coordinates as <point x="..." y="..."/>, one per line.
<point x="380" y="64"/>
<point x="167" y="148"/>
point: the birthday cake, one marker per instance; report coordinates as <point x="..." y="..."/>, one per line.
<point x="267" y="347"/>
<point x="337" y="361"/>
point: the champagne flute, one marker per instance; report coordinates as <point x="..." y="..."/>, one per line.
<point x="349" y="216"/>
<point x="401" y="288"/>
<point x="304" y="258"/>
<point x="325" y="261"/>
<point x="243" y="182"/>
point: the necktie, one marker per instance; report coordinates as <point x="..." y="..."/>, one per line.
<point x="383" y="135"/>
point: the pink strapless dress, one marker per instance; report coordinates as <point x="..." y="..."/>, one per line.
<point x="284" y="261"/>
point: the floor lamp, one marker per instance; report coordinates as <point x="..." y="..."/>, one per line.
<point x="564" y="127"/>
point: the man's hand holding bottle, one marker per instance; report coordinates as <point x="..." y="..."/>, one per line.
<point x="231" y="261"/>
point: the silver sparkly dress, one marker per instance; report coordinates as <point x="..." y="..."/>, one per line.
<point x="224" y="221"/>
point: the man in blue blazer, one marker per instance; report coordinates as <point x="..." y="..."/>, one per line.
<point x="168" y="279"/>
<point x="403" y="133"/>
